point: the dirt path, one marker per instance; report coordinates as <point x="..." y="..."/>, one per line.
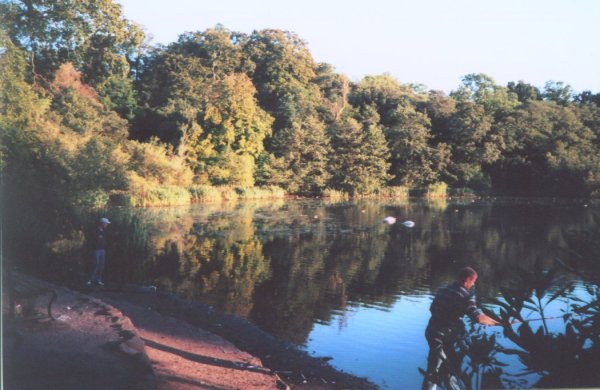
<point x="184" y="356"/>
<point x="293" y="366"/>
<point x="114" y="339"/>
<point x="90" y="345"/>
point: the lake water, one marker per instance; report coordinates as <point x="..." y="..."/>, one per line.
<point x="333" y="278"/>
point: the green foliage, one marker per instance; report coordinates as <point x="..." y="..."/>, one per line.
<point x="63" y="152"/>
<point x="474" y="144"/>
<point x="483" y="90"/>
<point x="562" y="358"/>
<point x="162" y="196"/>
<point x="232" y="117"/>
<point x="413" y="157"/>
<point x="558" y="92"/>
<point x="548" y="151"/>
<point x="149" y="196"/>
<point x="525" y="92"/>
<point x="152" y="162"/>
<point x="305" y="149"/>
<point x="208" y="113"/>
<point x="283" y="70"/>
<point x="334" y="89"/>
<point x="92" y="35"/>
<point x="232" y="169"/>
<point x="359" y="161"/>
<point x="223" y="108"/>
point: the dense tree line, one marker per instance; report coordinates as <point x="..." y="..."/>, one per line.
<point x="244" y="109"/>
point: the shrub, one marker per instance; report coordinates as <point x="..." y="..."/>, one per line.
<point x="93" y="199"/>
<point x="152" y="162"/>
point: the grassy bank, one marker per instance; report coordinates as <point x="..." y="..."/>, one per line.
<point x="175" y="196"/>
<point x="225" y="193"/>
<point x="399" y="192"/>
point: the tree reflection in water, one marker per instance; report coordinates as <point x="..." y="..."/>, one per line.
<point x="289" y="265"/>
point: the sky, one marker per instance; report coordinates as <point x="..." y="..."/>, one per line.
<point x="430" y="42"/>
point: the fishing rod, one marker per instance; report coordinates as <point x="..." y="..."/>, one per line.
<point x="517" y="321"/>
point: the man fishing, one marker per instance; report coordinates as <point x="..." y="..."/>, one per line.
<point x="446" y="327"/>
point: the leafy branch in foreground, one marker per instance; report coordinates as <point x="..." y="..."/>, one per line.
<point x="562" y="356"/>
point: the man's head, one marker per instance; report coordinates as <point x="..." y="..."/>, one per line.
<point x="467" y="277"/>
<point x="104" y="222"/>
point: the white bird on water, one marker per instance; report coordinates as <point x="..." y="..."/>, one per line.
<point x="408" y="224"/>
<point x="389" y="220"/>
<point x="392" y="220"/>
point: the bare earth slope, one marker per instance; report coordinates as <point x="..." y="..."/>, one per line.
<point x="117" y="339"/>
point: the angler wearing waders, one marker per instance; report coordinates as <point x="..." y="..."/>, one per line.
<point x="446" y="326"/>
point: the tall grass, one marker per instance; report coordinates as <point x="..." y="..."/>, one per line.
<point x="436" y="190"/>
<point x="335" y="194"/>
<point x="386" y="192"/>
<point x="394" y="192"/>
<point x="260" y="192"/>
<point x="205" y="193"/>
<point x="151" y="196"/>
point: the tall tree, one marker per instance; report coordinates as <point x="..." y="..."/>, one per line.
<point x="334" y="88"/>
<point x="206" y="107"/>
<point x="439" y="108"/>
<point x="305" y="149"/>
<point x="483" y="90"/>
<point x="92" y="35"/>
<point x="588" y="97"/>
<point x="549" y="150"/>
<point x="414" y="160"/>
<point x="218" y="49"/>
<point x="232" y="122"/>
<point x="80" y="108"/>
<point x="283" y="72"/>
<point x="558" y="92"/>
<point x="473" y="145"/>
<point x="525" y="92"/>
<point x="359" y="161"/>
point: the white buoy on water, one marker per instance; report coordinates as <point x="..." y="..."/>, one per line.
<point x="389" y="220"/>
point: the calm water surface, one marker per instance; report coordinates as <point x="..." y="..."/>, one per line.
<point x="336" y="280"/>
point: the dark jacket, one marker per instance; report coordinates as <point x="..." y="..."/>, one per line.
<point x="100" y="238"/>
<point x="450" y="304"/>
